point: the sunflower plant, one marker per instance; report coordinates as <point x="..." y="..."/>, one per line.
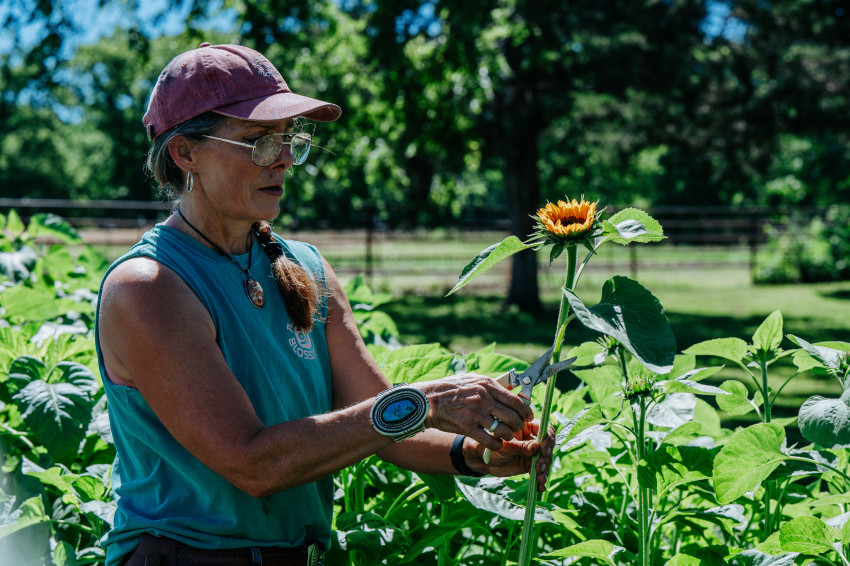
<point x="628" y="313"/>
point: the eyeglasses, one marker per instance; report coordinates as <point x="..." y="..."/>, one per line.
<point x="267" y="148"/>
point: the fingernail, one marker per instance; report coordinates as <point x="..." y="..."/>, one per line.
<point x="543" y="467"/>
<point x="549" y="451"/>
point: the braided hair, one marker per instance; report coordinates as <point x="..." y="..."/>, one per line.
<point x="301" y="293"/>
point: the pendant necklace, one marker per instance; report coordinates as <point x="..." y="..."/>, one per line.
<point x="253" y="289"/>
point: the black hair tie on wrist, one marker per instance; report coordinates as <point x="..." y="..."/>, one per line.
<point x="458" y="461"/>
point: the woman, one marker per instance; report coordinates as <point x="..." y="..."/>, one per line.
<point x="236" y="377"/>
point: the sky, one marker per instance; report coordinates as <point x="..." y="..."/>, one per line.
<point x="94" y="22"/>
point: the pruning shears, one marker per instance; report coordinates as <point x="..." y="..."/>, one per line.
<point x="538" y="372"/>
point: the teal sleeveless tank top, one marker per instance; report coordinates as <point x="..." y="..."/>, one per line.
<point x="159" y="486"/>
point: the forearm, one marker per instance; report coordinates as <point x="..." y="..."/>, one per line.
<point x="298" y="452"/>
<point x="425" y="453"/>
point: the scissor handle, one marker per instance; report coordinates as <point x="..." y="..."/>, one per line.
<point x="505" y="379"/>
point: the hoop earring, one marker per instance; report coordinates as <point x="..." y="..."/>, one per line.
<point x="190" y="182"/>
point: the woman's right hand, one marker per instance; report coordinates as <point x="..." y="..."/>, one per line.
<point x="469" y="403"/>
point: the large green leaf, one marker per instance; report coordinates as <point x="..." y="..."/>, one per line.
<point x="632" y="225"/>
<point x="442" y="486"/>
<point x="807" y="535"/>
<point x="600" y="550"/>
<point x="632" y="315"/>
<point x="826" y="422"/>
<point x="585" y="419"/>
<point x="672" y="466"/>
<point x="733" y="349"/>
<point x="497" y="496"/>
<point x="747" y="459"/>
<point x="58" y="414"/>
<point x="494" y="364"/>
<point x="31" y="512"/>
<point x="26" y="304"/>
<point x="371" y="535"/>
<point x="488" y="258"/>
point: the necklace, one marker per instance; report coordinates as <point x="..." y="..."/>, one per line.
<point x="253" y="289"/>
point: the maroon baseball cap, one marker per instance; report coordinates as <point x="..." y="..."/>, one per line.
<point x="231" y="80"/>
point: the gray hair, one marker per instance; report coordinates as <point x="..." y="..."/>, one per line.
<point x="161" y="166"/>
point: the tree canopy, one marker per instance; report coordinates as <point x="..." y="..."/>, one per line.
<point x="464" y="110"/>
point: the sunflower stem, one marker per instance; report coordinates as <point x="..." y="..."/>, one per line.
<point x="528" y="542"/>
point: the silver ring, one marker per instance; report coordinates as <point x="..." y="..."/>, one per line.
<point x="496" y="422"/>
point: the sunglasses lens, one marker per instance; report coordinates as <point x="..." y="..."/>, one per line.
<point x="300" y="146"/>
<point x="267" y="149"/>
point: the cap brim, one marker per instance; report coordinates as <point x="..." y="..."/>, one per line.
<point x="281" y="106"/>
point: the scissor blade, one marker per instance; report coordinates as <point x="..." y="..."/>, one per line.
<point x="534" y="370"/>
<point x="555" y="368"/>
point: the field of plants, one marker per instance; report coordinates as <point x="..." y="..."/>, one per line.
<point x="660" y="460"/>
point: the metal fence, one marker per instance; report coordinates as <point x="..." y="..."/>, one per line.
<point x="118" y="224"/>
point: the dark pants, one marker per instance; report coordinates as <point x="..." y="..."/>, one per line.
<point x="161" y="551"/>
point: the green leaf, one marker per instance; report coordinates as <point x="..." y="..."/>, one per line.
<point x="632" y="225"/>
<point x="18" y="265"/>
<point x="588" y="354"/>
<point x="747" y="459"/>
<point x="738" y="401"/>
<point x="493" y="364"/>
<point x="488" y="258"/>
<point x="683" y="432"/>
<point x="771" y="545"/>
<point x="443" y="486"/>
<point x="672" y="466"/>
<point x="25" y="304"/>
<point x="755" y="558"/>
<point x="704" y="559"/>
<point x="831" y="359"/>
<point x="600" y="550"/>
<point x="64" y="555"/>
<point x="807" y="535"/>
<point x="361" y="297"/>
<point x="58" y="414"/>
<point x="419" y="369"/>
<point x="689" y="383"/>
<point x="496" y="496"/>
<point x="585" y="419"/>
<point x="14" y="224"/>
<point x="634" y="317"/>
<point x="768" y="336"/>
<point x="733" y="349"/>
<point x="826" y="422"/>
<point x="371" y="535"/>
<point x="30" y="513"/>
<point x="51" y="225"/>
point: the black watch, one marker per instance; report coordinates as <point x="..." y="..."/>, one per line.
<point x="400" y="412"/>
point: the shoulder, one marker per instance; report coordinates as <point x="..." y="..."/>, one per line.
<point x="147" y="291"/>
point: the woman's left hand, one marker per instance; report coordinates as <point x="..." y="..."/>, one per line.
<point x="516" y="455"/>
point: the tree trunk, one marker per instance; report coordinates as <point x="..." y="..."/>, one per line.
<point x="523" y="193"/>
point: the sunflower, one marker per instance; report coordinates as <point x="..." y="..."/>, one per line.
<point x="567" y="221"/>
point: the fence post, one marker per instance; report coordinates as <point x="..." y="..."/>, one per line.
<point x="753" y="243"/>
